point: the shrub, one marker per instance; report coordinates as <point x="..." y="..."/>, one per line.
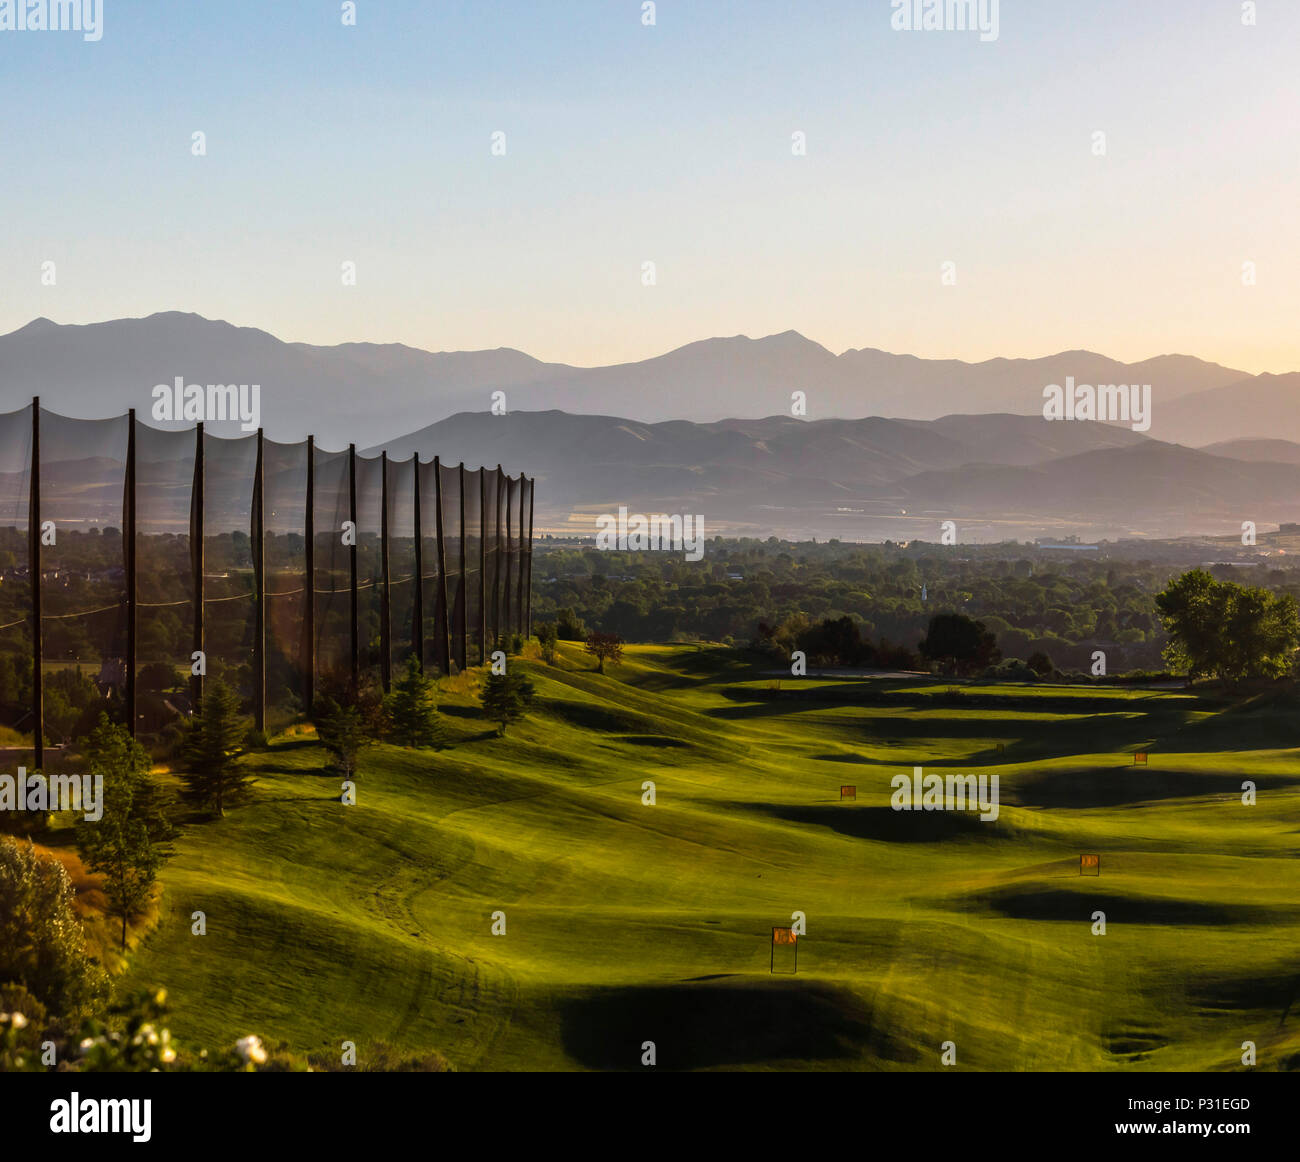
<point x="546" y="638"/>
<point x="42" y="944"/>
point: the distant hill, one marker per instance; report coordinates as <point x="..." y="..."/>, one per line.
<point x="587" y="457"/>
<point x="1278" y="451"/>
<point x="1013" y="476"/>
<point x="1262" y="406"/>
<point x="1162" y="481"/>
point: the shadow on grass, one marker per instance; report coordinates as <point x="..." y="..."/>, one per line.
<point x="882" y="823"/>
<point x="1270" y="989"/>
<point x="299" y="772"/>
<point x="1132" y="1043"/>
<point x="698" y="1025"/>
<point x="279" y="744"/>
<point x="596" y="718"/>
<point x="1127" y="785"/>
<point x="1039" y="903"/>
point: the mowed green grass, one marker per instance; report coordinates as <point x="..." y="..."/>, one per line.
<point x="628" y="923"/>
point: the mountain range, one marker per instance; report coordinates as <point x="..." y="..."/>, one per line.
<point x="892" y="445"/>
<point x="368" y="393"/>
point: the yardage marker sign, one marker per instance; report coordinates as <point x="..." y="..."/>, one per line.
<point x="848" y="793"/>
<point x="1090" y="865"/>
<point x="1140" y="758"/>
<point x="784" y="937"/>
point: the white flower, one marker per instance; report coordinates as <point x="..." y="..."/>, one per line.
<point x="169" y="1055"/>
<point x="250" y="1049"/>
<point x="20" y="1022"/>
<point x="87" y="1045"/>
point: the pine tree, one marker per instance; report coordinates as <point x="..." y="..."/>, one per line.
<point x="211" y="750"/>
<point x="343" y="732"/>
<point x="412" y="710"/>
<point x="507" y="698"/>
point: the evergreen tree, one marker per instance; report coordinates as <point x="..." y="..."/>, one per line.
<point x="211" y="750"/>
<point x="412" y="710"/>
<point x="507" y="698"/>
<point x="343" y="732"/>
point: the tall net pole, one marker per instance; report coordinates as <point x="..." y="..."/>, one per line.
<point x="259" y="585"/>
<point x="132" y="713"/>
<point x="309" y="564"/>
<point x="355" y="654"/>
<point x="464" y="582"/>
<point x="441" y="626"/>
<point x="385" y="592"/>
<point x="528" y="592"/>
<point x="498" y="574"/>
<point x="417" y="613"/>
<point x="196" y="567"/>
<point x="34" y="564"/>
<point x="521" y="623"/>
<point x="482" y="568"/>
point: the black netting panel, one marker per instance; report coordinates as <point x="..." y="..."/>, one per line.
<point x="491" y="555"/>
<point x="229" y="590"/>
<point x="333" y="584"/>
<point x="513" y="623"/>
<point x="15" y="581"/>
<point x="284" y="473"/>
<point x="83" y="570"/>
<point x="369" y="565"/>
<point x="499" y="580"/>
<point x="455" y="575"/>
<point x="472" y="532"/>
<point x="402" y="580"/>
<point x="164" y="488"/>
<point x="451" y="619"/>
<point x="504" y="572"/>
<point x="432" y="602"/>
<point x="526" y="557"/>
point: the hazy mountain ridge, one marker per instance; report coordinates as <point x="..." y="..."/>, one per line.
<point x="997" y="467"/>
<point x="371" y="392"/>
<point x="757" y="465"/>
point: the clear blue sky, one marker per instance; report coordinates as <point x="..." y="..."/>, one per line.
<point x="670" y="144"/>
